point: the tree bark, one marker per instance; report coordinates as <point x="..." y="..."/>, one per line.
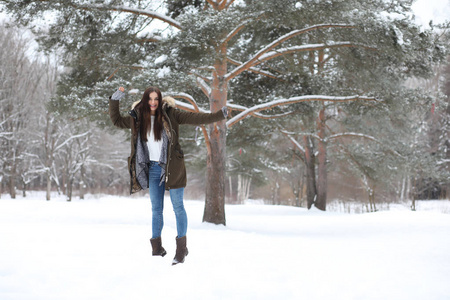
<point x="321" y="202"/>
<point x="12" y="180"/>
<point x="82" y="182"/>
<point x="49" y="185"/>
<point x="311" y="190"/>
<point x="69" y="189"/>
<point x="215" y="178"/>
<point x="216" y="158"/>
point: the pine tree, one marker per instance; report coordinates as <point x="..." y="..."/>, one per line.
<point x="293" y="49"/>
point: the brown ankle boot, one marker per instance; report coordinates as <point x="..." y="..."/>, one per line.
<point x="158" y="250"/>
<point x="182" y="251"/>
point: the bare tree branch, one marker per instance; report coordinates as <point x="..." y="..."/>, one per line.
<point x="71" y="138"/>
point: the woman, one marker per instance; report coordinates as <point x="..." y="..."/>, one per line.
<point x="157" y="161"/>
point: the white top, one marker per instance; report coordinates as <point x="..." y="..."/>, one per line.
<point x="154" y="147"/>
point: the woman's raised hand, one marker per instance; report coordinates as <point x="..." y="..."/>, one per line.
<point x="119" y="94"/>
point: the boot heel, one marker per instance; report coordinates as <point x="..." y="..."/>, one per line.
<point x="157" y="249"/>
<point x="182" y="251"/>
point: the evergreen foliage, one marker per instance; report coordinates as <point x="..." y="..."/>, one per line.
<point x="106" y="48"/>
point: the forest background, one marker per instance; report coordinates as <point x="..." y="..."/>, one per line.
<point x="343" y="100"/>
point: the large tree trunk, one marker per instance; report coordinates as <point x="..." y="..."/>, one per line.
<point x="215" y="177"/>
<point x="215" y="163"/>
<point x="321" y="202"/>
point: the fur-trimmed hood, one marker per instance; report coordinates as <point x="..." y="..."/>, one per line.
<point x="167" y="102"/>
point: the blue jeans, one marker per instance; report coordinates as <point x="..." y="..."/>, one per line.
<point x="156" y="192"/>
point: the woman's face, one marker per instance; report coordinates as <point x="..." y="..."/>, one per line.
<point x="153" y="102"/>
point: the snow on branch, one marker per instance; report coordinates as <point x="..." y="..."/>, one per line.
<point x="206" y="89"/>
<point x="254" y="70"/>
<point x="277" y="42"/>
<point x="351" y="134"/>
<point x="292" y="100"/>
<point x="293" y="141"/>
<point x="313" y="47"/>
<point x="258" y="115"/>
<point x="136" y="11"/>
<point x="305" y="134"/>
<point x="196" y="74"/>
<point x="71" y="138"/>
<point x="192" y="107"/>
<point x="236" y="31"/>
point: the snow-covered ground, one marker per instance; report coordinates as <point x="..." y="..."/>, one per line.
<point x="98" y="248"/>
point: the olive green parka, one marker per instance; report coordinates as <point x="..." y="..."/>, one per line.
<point x="172" y="118"/>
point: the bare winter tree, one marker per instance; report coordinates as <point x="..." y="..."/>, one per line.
<point x="19" y="82"/>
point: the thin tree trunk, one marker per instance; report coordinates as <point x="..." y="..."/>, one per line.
<point x="24" y="188"/>
<point x="321" y="202"/>
<point x="82" y="182"/>
<point x="12" y="180"/>
<point x="230" y="200"/>
<point x="301" y="187"/>
<point x="69" y="189"/>
<point x="311" y="191"/>
<point x="247" y="188"/>
<point x="49" y="185"/>
<point x="49" y="155"/>
<point x="239" y="189"/>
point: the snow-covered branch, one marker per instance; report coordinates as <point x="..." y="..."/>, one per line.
<point x="292" y="100"/>
<point x="277" y="42"/>
<point x="193" y="107"/>
<point x="351" y="134"/>
<point x="254" y="70"/>
<point x="236" y="31"/>
<point x="313" y="47"/>
<point x="293" y="141"/>
<point x="258" y="115"/>
<point x="196" y="74"/>
<point x="136" y="11"/>
<point x="206" y="89"/>
<point x="71" y="138"/>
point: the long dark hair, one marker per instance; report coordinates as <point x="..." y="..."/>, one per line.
<point x="145" y="115"/>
